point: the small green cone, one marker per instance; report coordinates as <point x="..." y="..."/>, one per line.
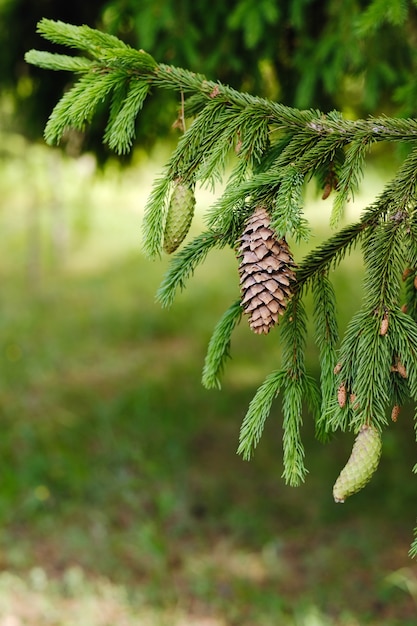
<point x="180" y="215"/>
<point x="361" y="465"/>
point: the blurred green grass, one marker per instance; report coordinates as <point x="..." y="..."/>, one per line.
<point x="122" y="499"/>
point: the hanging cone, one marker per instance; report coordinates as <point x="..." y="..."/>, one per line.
<point x="180" y="215"/>
<point x="266" y="272"/>
<point x="361" y="465"/>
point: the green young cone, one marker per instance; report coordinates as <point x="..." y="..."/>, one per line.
<point x="180" y="215"/>
<point x="361" y="465"/>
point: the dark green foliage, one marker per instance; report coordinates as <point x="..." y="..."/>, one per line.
<point x="270" y="150"/>
<point x="351" y="56"/>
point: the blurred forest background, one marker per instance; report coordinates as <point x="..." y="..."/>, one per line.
<point x="122" y="500"/>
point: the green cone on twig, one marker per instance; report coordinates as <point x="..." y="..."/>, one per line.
<point x="361" y="465"/>
<point x="180" y="215"/>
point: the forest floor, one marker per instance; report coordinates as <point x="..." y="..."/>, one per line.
<point x="122" y="499"/>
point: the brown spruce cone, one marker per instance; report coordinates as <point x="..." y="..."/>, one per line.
<point x="266" y="272"/>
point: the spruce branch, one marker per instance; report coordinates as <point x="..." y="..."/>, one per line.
<point x="398" y="198"/>
<point x="78" y="105"/>
<point x="155" y="216"/>
<point x="404" y="349"/>
<point x="253" y="191"/>
<point x="120" y="130"/>
<point x="410" y="245"/>
<point x="293" y="450"/>
<point x="327" y="338"/>
<point x="384" y="258"/>
<point x="53" y="61"/>
<point x="371" y="383"/>
<point x="268" y="151"/>
<point x="287" y="213"/>
<point x="399" y="194"/>
<point x="413" y="548"/>
<point x="113" y="56"/>
<point x="219" y="346"/>
<point x="296" y="387"/>
<point x="379" y="348"/>
<point x="215" y="118"/>
<point x="78" y="37"/>
<point x="339" y="411"/>
<point x="259" y="409"/>
<point x="350" y="174"/>
<point x="294" y="337"/>
<point x="410" y="304"/>
<point x="331" y="252"/>
<point x="185" y="262"/>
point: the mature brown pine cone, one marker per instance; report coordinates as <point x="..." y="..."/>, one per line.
<point x="266" y="272"/>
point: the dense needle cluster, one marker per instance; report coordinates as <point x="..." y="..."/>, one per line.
<point x="266" y="272"/>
